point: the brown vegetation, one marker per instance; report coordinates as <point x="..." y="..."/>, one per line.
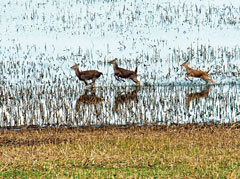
<point x="195" y="151"/>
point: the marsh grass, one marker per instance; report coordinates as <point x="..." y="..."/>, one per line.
<point x="156" y="151"/>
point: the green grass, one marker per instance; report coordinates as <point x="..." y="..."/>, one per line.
<point x="181" y="170"/>
<point x="171" y="152"/>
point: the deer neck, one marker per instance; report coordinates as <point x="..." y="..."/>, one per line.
<point x="188" y="68"/>
<point x="77" y="72"/>
<point x="115" y="66"/>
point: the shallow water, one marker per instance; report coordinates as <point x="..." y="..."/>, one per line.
<point x="120" y="105"/>
<point x="39" y="43"/>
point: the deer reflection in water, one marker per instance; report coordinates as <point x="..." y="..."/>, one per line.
<point x="126" y="98"/>
<point x="89" y="100"/>
<point x="192" y="96"/>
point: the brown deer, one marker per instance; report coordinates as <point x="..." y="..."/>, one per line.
<point x="123" y="73"/>
<point x="196" y="73"/>
<point x="192" y="96"/>
<point x="86" y="75"/>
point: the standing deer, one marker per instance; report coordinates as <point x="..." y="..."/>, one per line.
<point x="123" y="73"/>
<point x="86" y="75"/>
<point x="196" y="73"/>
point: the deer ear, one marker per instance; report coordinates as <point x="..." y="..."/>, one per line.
<point x="186" y="62"/>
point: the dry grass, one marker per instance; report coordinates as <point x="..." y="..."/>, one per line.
<point x="157" y="151"/>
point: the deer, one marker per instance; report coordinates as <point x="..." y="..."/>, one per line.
<point x="204" y="93"/>
<point x="86" y="75"/>
<point x="196" y="73"/>
<point x="123" y="73"/>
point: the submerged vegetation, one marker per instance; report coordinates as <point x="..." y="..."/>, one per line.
<point x="49" y="106"/>
<point x="39" y="46"/>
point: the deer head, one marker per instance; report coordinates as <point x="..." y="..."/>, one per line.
<point x="185" y="63"/>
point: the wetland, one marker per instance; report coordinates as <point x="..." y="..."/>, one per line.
<point x="41" y="41"/>
<point x="52" y="125"/>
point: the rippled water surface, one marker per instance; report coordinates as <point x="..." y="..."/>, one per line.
<point x="74" y="106"/>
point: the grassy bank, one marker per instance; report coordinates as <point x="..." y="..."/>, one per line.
<point x="158" y="151"/>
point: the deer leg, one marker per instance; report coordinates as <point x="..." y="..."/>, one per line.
<point x="93" y="81"/>
<point x="135" y="80"/>
<point x="86" y="83"/>
<point x="206" y="78"/>
<point x="117" y="78"/>
<point x="187" y="77"/>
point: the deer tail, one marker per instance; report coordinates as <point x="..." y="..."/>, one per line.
<point x="136" y="70"/>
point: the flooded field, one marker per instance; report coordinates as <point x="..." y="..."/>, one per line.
<point x="74" y="106"/>
<point x="39" y="42"/>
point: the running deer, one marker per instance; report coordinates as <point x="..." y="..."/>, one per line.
<point x="123" y="73"/>
<point x="196" y="73"/>
<point x="204" y="93"/>
<point x="86" y="75"/>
